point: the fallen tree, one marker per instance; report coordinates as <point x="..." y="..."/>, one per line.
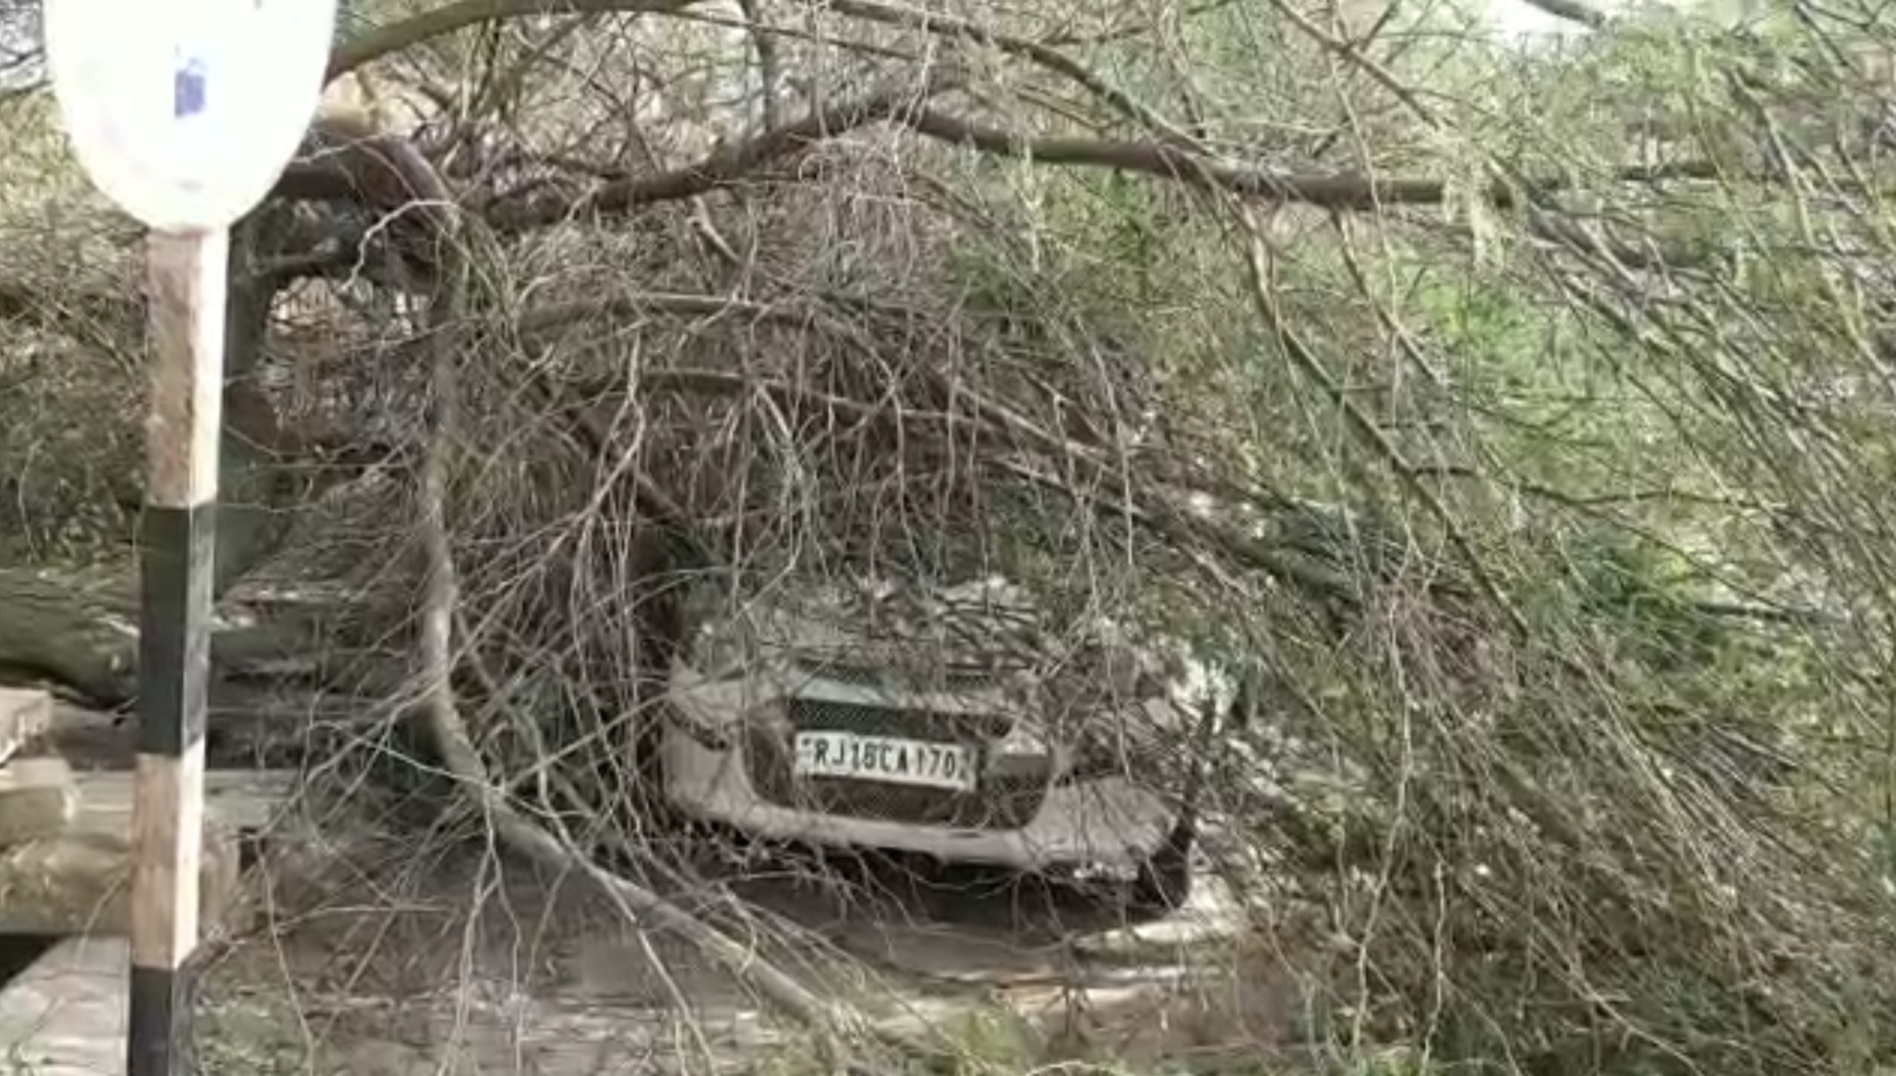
<point x="1185" y="373"/>
<point x="77" y="628"/>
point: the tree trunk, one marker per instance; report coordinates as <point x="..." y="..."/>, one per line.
<point x="80" y="631"/>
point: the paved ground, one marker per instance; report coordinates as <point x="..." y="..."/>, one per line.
<point x="65" y="1015"/>
<point x="377" y="974"/>
<point x="389" y="959"/>
<point x="398" y="980"/>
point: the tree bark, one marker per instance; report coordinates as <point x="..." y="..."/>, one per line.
<point x="80" y="630"/>
<point x="77" y="633"/>
<point x="81" y="633"/>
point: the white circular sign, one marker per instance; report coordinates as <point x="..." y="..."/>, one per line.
<point x="185" y="112"/>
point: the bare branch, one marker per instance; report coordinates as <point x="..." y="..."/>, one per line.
<point x="438" y="22"/>
<point x="552" y="317"/>
<point x="1572" y="11"/>
<point x="722" y="168"/>
<point x="1050" y="58"/>
<point x="1339" y="190"/>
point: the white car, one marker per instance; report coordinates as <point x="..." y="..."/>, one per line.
<point x="945" y="725"/>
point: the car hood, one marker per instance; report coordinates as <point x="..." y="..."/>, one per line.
<point x="983" y="646"/>
<point x="991" y="631"/>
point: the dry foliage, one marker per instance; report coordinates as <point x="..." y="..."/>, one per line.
<point x="1510" y="426"/>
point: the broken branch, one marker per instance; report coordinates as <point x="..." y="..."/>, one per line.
<point x="439" y="22"/>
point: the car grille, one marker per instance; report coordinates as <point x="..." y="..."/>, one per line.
<point x="850" y="674"/>
<point x="948" y="682"/>
<point x="864" y="720"/>
<point x="1000" y="801"/>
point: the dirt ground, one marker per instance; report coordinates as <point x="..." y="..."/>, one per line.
<point x="379" y="960"/>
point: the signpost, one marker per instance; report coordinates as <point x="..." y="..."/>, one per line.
<point x="184" y="112"/>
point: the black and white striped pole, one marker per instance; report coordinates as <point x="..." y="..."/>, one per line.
<point x="184" y="112"/>
<point x="177" y="546"/>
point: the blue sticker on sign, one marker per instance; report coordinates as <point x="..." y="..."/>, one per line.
<point x="187" y="90"/>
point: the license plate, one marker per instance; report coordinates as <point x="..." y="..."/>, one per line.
<point x="885" y="758"/>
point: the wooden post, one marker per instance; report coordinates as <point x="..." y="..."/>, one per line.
<point x="187" y="295"/>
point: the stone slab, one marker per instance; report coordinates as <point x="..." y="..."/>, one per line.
<point x="23" y="716"/>
<point x="239" y="799"/>
<point x="38" y="800"/>
<point x="66" y="1015"/>
<point x="79" y="882"/>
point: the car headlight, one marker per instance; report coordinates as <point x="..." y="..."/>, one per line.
<point x="711" y="712"/>
<point x="1111" y="751"/>
<point x="719" y="655"/>
<point x="1093" y="756"/>
<point x="704" y="735"/>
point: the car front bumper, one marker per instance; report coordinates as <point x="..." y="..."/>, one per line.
<point x="1101" y="822"/>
